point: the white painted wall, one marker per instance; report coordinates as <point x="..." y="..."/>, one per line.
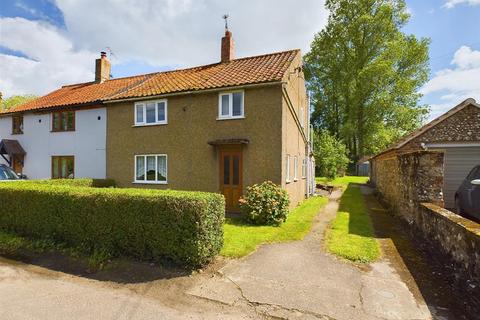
<point x="87" y="143"/>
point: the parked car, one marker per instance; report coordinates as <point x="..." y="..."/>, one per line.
<point x="6" y="173"/>
<point x="467" y="197"/>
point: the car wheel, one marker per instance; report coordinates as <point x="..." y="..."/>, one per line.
<point x="458" y="207"/>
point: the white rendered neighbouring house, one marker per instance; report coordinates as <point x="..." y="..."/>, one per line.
<point x="73" y="147"/>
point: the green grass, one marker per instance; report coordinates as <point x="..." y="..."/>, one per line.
<point x="241" y="238"/>
<point x="341" y="182"/>
<point x="351" y="233"/>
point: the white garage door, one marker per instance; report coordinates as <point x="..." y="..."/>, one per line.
<point x="458" y="163"/>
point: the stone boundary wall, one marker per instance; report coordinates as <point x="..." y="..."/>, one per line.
<point x="458" y="239"/>
<point x="411" y="185"/>
<point x="404" y="181"/>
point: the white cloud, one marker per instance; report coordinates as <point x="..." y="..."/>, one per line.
<point x="158" y="32"/>
<point x="452" y="3"/>
<point x="187" y="32"/>
<point x="457" y="83"/>
<point x="466" y="58"/>
<point x="52" y="60"/>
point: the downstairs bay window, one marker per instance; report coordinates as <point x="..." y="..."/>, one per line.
<point x="151" y="169"/>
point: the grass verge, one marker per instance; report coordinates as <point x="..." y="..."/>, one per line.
<point x="341" y="182"/>
<point x="241" y="238"/>
<point x="351" y="234"/>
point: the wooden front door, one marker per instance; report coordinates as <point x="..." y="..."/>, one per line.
<point x="231" y="168"/>
<point x="17" y="164"/>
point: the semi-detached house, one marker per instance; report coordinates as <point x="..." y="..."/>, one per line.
<point x="217" y="128"/>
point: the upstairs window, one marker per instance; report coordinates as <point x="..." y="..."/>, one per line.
<point x="302" y="117"/>
<point x="151" y="113"/>
<point x="151" y="168"/>
<point x="230" y="105"/>
<point x="17" y="124"/>
<point x="63" y="121"/>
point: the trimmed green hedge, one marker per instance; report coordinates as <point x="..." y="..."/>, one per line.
<point x="146" y="224"/>
<point x="83" y="182"/>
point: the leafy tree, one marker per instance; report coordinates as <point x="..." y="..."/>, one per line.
<point x="330" y="155"/>
<point x="364" y="74"/>
<point x="14" y="101"/>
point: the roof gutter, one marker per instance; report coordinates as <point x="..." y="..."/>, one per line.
<point x="181" y="93"/>
<point x="293" y="112"/>
<point x="97" y="103"/>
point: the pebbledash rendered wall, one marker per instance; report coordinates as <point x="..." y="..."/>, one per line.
<point x="411" y="184"/>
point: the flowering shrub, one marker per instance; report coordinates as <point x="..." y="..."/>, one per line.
<point x="265" y="204"/>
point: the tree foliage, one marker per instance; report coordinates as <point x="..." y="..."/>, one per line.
<point x="14" y="101"/>
<point x="331" y="157"/>
<point x="364" y="74"/>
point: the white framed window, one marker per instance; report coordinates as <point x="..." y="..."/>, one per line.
<point x="151" y="112"/>
<point x="302" y="117"/>
<point x="304" y="168"/>
<point x="287" y="169"/>
<point x="151" y="168"/>
<point x="295" y="168"/>
<point x="231" y="105"/>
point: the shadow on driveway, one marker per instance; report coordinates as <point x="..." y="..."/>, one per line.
<point x="118" y="270"/>
<point x="423" y="273"/>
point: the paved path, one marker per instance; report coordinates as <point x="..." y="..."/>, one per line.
<point x="299" y="279"/>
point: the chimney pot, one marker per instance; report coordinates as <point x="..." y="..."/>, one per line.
<point x="228" y="47"/>
<point x="102" y="68"/>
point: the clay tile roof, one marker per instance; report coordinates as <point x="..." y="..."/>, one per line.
<point x="243" y="71"/>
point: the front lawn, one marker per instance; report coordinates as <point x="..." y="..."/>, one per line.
<point x="341" y="182"/>
<point x="241" y="238"/>
<point x="351" y="233"/>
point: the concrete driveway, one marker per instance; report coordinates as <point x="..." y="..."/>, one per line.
<point x="298" y="278"/>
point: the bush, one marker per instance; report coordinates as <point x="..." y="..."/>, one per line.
<point x="84" y="182"/>
<point x="265" y="204"/>
<point x="330" y="155"/>
<point x="186" y="227"/>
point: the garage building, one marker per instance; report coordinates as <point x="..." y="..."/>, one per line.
<point x="456" y="134"/>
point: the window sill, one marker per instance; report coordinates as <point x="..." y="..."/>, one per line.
<point x="295" y="180"/>
<point x="230" y="118"/>
<point x="150" y="182"/>
<point x="150" y="124"/>
<point x="55" y="131"/>
<point x="288" y="181"/>
<point x="16" y="133"/>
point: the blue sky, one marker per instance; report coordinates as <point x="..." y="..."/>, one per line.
<point x="45" y="44"/>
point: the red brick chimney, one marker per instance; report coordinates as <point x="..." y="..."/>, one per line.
<point x="228" y="47"/>
<point x="102" y="68"/>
